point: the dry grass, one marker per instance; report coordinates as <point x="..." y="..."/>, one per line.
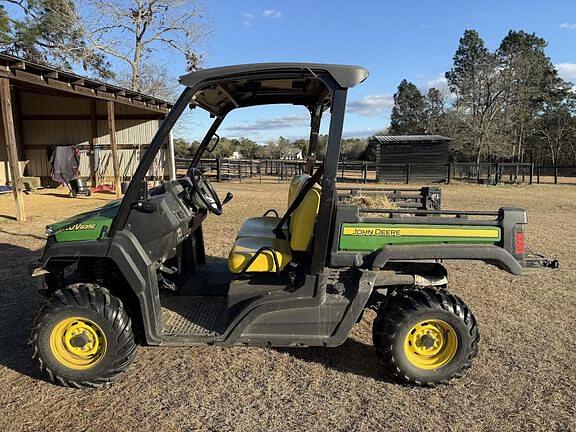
<point x="371" y="201"/>
<point x="524" y="378"/>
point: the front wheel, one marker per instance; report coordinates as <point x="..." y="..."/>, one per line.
<point x="82" y="337"/>
<point x="425" y="336"/>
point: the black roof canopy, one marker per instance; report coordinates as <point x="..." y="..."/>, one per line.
<point x="222" y="89"/>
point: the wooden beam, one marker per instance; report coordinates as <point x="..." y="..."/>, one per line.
<point x="10" y="138"/>
<point x="143" y="117"/>
<point x="78" y="90"/>
<point x="17" y="114"/>
<point x="51" y="74"/>
<point x="93" y="136"/>
<point x="19" y="65"/>
<point x="114" y="148"/>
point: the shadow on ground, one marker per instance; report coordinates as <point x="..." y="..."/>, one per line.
<point x="352" y="356"/>
<point x="19" y="301"/>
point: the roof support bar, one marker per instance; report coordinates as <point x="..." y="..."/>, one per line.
<point x="327" y="199"/>
<point x="316" y="118"/>
<point x="136" y="189"/>
<point x="206" y="140"/>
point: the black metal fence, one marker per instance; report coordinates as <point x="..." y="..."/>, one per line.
<point x="266" y="170"/>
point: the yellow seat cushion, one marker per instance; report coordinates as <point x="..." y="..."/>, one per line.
<point x="303" y="220"/>
<point x="260" y="227"/>
<point x="246" y="247"/>
<point x="263" y="226"/>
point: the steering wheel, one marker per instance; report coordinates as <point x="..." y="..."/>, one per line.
<point x="205" y="192"/>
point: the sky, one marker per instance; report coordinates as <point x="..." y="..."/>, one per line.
<point x="394" y="40"/>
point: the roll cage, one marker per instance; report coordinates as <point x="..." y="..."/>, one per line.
<point x="220" y="90"/>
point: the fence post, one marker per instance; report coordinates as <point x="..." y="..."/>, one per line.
<point x="448" y="178"/>
<point x="365" y="172"/>
<point x="531" y="173"/>
<point x="218" y="170"/>
<point x="555" y="174"/>
<point x="538" y="172"/>
<point x="498" y="174"/>
<point x="407" y="173"/>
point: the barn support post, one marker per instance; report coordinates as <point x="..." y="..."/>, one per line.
<point x="171" y="157"/>
<point x="92" y="143"/>
<point x="17" y="115"/>
<point x="11" y="147"/>
<point x="114" y="147"/>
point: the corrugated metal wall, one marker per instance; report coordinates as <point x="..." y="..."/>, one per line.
<point x="38" y="135"/>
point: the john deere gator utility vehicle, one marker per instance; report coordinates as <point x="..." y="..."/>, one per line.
<point x="136" y="270"/>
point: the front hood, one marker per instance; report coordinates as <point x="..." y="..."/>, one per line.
<point x="91" y="225"/>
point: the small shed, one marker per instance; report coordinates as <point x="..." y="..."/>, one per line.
<point x="411" y="158"/>
<point x="43" y="107"/>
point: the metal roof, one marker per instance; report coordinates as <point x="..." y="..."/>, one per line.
<point x="40" y="75"/>
<point x="409" y="138"/>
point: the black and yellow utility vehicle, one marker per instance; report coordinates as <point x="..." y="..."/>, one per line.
<point x="136" y="270"/>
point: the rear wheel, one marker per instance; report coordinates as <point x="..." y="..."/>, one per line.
<point x="425" y="336"/>
<point x="82" y="337"/>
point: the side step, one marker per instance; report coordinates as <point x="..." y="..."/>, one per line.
<point x="191" y="315"/>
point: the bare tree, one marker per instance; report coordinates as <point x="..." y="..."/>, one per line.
<point x="557" y="129"/>
<point x="132" y="30"/>
<point x="476" y="81"/>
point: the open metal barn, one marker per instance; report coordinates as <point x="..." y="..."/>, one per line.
<point x="43" y="108"/>
<point x="411" y="158"/>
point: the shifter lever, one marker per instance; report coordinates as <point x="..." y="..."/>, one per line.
<point x="228" y="198"/>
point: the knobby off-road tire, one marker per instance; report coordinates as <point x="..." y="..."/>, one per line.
<point x="425" y="336"/>
<point x="82" y="337"/>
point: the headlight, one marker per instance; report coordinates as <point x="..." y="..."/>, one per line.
<point x="48" y="231"/>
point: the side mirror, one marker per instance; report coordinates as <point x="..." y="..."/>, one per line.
<point x="228" y="198"/>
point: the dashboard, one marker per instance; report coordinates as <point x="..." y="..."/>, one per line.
<point x="166" y="219"/>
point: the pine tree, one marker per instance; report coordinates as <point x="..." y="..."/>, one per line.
<point x="409" y="112"/>
<point x="49" y="31"/>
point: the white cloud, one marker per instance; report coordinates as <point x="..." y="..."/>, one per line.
<point x="371" y="105"/>
<point x="361" y="133"/>
<point x="247" y="19"/>
<point x="271" y="13"/>
<point x="440" y="83"/>
<point x="566" y="71"/>
<point x="567" y="26"/>
<point x="283" y="122"/>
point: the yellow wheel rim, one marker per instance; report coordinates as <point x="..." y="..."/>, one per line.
<point x="430" y="344"/>
<point x="78" y="343"/>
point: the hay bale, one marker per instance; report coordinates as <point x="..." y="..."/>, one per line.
<point x="372" y="201"/>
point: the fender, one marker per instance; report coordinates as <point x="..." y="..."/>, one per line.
<point x="489" y="254"/>
<point x="132" y="261"/>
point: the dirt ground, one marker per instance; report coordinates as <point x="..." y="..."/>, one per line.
<point x="524" y="377"/>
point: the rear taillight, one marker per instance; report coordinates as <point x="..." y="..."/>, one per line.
<point x="519" y="245"/>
